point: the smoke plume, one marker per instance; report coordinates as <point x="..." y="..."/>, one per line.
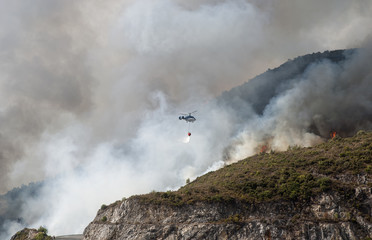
<point x="301" y="102"/>
<point x="91" y="91"/>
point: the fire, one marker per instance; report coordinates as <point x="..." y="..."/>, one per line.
<point x="265" y="145"/>
<point x="333" y="134"/>
<point x="263" y="149"/>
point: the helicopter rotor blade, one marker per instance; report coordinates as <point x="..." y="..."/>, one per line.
<point x="188" y="114"/>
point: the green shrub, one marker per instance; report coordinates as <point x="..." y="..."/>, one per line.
<point x="42" y="234"/>
<point x="324" y="184"/>
<point x="39" y="236"/>
<point x="234" y="219"/>
<point x="213" y="189"/>
<point x="361" y="133"/>
<point x="216" y="198"/>
<point x="103" y="207"/>
<point x="42" y="230"/>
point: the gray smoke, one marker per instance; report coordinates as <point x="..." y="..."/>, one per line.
<point x="91" y="90"/>
<point x="301" y="102"/>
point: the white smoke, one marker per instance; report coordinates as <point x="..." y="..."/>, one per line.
<point x="153" y="160"/>
<point x="91" y="91"/>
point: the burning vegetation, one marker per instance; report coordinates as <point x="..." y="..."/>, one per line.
<point x="264" y="149"/>
<point x="332" y="134"/>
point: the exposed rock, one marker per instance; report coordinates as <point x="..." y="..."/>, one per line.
<point x="327" y="216"/>
<point x="32" y="234"/>
<point x="323" y="192"/>
<point x="25" y="234"/>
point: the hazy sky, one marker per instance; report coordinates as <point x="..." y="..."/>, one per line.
<point x="90" y="91"/>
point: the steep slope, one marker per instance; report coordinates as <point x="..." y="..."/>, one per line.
<point x="302" y="100"/>
<point x="322" y="192"/>
<point x="260" y="90"/>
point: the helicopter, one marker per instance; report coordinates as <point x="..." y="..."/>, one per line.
<point x="188" y="118"/>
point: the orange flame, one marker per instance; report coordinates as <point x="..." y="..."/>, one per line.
<point x="263" y="149"/>
<point x="333" y="134"/>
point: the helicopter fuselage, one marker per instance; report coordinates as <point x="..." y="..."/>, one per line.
<point x="187" y="118"/>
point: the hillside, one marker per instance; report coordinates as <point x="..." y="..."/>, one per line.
<point x="321" y="192"/>
<point x="259" y="90"/>
<point x="255" y="98"/>
<point x="296" y="174"/>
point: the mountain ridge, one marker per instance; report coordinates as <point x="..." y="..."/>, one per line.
<point x="339" y="208"/>
<point x="256" y="94"/>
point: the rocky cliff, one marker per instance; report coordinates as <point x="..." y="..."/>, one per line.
<point x="322" y="192"/>
<point x="25" y="234"/>
<point x="325" y="217"/>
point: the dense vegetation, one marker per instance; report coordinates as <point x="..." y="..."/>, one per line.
<point x="296" y="174"/>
